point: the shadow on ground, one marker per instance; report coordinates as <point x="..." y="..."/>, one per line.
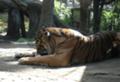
<point x="106" y="71"/>
<point x="10" y="64"/>
<point x="6" y="43"/>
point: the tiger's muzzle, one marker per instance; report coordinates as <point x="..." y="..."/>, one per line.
<point x="42" y="52"/>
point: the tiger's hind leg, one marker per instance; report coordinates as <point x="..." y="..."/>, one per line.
<point x="116" y="45"/>
<point x="117" y="38"/>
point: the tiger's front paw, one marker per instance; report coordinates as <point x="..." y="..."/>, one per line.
<point x="18" y="55"/>
<point x="24" y="60"/>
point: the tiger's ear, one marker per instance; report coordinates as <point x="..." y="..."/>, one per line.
<point x="48" y="34"/>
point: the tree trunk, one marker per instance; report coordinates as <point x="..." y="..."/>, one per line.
<point x="47" y="13"/>
<point x="34" y="12"/>
<point x="32" y="9"/>
<point x="39" y="15"/>
<point x="15" y="24"/>
<point x="84" y="16"/>
<point x="22" y="28"/>
<point x="96" y="20"/>
<point x="97" y="10"/>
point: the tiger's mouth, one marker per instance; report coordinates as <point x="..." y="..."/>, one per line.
<point x="42" y="52"/>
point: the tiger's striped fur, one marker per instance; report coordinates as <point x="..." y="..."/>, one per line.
<point x="66" y="46"/>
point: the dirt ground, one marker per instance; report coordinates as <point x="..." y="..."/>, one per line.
<point x="11" y="71"/>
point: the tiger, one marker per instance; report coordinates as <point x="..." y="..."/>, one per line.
<point x="59" y="47"/>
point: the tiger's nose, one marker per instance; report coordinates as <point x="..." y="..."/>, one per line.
<point x="42" y="52"/>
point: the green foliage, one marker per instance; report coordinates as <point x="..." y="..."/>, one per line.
<point x="111" y="17"/>
<point x="63" y="12"/>
<point x="26" y="22"/>
<point x="3" y="22"/>
<point x="107" y="19"/>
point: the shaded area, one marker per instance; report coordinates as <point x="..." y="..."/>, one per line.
<point x="16" y="45"/>
<point x="106" y="71"/>
<point x="5" y="42"/>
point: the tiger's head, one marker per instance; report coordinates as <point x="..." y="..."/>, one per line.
<point x="48" y="39"/>
<point x="42" y="38"/>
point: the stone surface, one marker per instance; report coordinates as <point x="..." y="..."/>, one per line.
<point x="11" y="71"/>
